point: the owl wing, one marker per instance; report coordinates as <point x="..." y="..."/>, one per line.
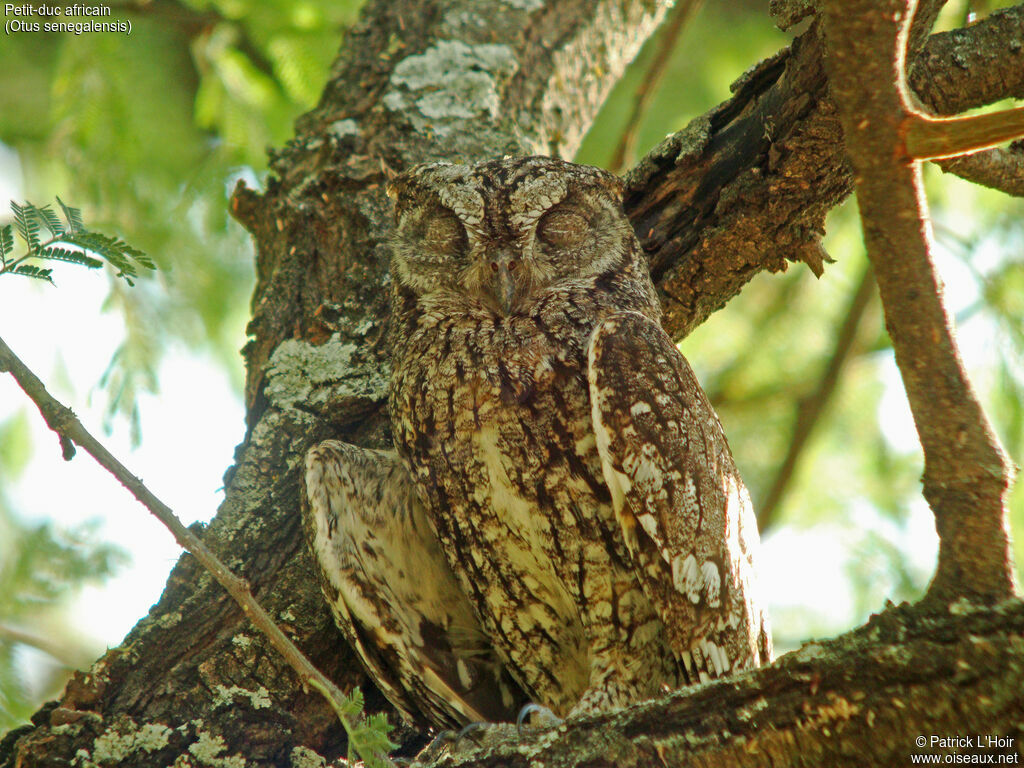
<point x="392" y="592"/>
<point x="681" y="505"/>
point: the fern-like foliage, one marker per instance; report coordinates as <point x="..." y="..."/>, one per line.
<point x="69" y="241"/>
<point x="6" y="242"/>
<point x="367" y="734"/>
<point x="73" y="216"/>
<point x="27" y="223"/>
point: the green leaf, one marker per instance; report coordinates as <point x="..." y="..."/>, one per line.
<point x="374" y="734"/>
<point x="59" y="253"/>
<point x="50" y="220"/>
<point x="27" y="225"/>
<point x="353" y="704"/>
<point x="38" y="273"/>
<point x="6" y="241"/>
<point x="369" y="739"/>
<point x="296" y="65"/>
<point x="73" y="216"/>
<point x="118" y="253"/>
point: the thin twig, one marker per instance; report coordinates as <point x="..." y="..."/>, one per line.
<point x="23" y="637"/>
<point x="810" y="408"/>
<point x="64" y="422"/>
<point x="677" y="20"/>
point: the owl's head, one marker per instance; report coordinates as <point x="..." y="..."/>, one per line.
<point x="501" y="233"/>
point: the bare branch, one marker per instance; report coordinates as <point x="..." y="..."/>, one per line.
<point x="971" y="67"/>
<point x="668" y="38"/>
<point x="810" y="409"/>
<point x="16" y="635"/>
<point x="967" y="474"/>
<point x="64" y="422"/>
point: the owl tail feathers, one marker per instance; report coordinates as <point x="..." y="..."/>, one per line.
<point x="483" y="690"/>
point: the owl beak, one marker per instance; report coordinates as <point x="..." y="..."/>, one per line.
<point x="503" y="285"/>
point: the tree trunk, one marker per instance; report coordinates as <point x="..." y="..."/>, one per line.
<point x="743" y="189"/>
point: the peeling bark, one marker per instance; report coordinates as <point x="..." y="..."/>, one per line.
<point x="745" y="188"/>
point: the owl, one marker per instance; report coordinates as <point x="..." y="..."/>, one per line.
<point x="561" y="520"/>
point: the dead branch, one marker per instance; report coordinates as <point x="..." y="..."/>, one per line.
<point x="745" y="188"/>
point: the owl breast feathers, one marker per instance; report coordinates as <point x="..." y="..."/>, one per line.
<point x="561" y="521"/>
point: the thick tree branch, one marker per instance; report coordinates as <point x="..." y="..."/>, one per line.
<point x="746" y="187"/>
<point x="861" y="700"/>
<point x="971" y="67"/>
<point x="967" y="474"/>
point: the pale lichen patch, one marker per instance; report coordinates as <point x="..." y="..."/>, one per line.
<point x="755" y="707"/>
<point x="206" y="749"/>
<point x="314" y="375"/>
<point x="304" y="757"/>
<point x="241" y="640"/>
<point x="451" y="81"/>
<point x="258" y="699"/>
<point x="807" y="652"/>
<point x="153" y="736"/>
<point x="168" y="620"/>
<point x="525" y="5"/>
<point x="342" y="128"/>
<point x="121" y="741"/>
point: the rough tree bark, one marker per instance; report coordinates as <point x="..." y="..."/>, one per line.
<point x="743" y="189"/>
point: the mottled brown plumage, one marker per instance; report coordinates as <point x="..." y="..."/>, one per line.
<point x="392" y="593"/>
<point x="576" y="477"/>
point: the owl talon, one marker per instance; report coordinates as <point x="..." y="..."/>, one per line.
<point x="475" y="732"/>
<point x="471" y="737"/>
<point x="535" y="716"/>
<point x="445" y="740"/>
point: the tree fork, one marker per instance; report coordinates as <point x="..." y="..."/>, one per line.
<point x="967" y="473"/>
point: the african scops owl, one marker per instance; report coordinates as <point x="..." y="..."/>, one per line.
<point x="561" y="520"/>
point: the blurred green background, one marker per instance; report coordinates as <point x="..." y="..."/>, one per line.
<point x="148" y="133"/>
